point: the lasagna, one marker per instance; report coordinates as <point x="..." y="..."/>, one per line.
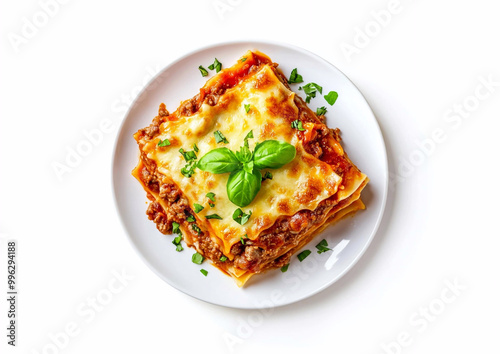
<point x="245" y="105"/>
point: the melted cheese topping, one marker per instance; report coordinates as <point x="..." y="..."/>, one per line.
<point x="301" y="184"/>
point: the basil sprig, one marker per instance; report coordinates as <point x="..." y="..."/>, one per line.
<point x="245" y="179"/>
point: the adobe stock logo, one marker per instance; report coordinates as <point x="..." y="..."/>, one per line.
<point x="381" y="19"/>
<point x="32" y="25"/>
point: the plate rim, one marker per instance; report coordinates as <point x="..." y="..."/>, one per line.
<point x="286" y="45"/>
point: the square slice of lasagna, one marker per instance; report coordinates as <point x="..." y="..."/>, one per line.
<point x="319" y="186"/>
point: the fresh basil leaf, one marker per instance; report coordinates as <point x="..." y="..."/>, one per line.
<point x="248" y="166"/>
<point x="297" y="124"/>
<point x="247" y="108"/>
<point x="221" y="160"/>
<point x="175" y="228"/>
<point x="211" y="196"/>
<point x="295" y="78"/>
<point x="241" y="217"/>
<point x="331" y="97"/>
<point x="197" y="258"/>
<point x="273" y="154"/>
<point x="303" y="255"/>
<point x="267" y="175"/>
<point x="177" y="240"/>
<point x="242" y="186"/>
<point x="285" y="268"/>
<point x="213" y="216"/>
<point x="244" y="155"/>
<point x="198" y="208"/>
<point x="308" y="98"/>
<point x="204" y="272"/>
<point x="219" y="137"/>
<point x="203" y="71"/>
<point x="179" y="248"/>
<point x="163" y="143"/>
<point x="320" y="111"/>
<point x="223" y="259"/>
<point x="322" y="247"/>
<point x="249" y="135"/>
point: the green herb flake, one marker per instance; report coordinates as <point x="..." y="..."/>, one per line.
<point x="243" y="59"/>
<point x="211" y="204"/>
<point x="190" y="218"/>
<point x="195" y="148"/>
<point x="240" y="217"/>
<point x="242" y="240"/>
<point x="179" y="248"/>
<point x="223" y="259"/>
<point x="331" y="97"/>
<point x="188" y="155"/>
<point x="213" y="216"/>
<point x="204" y="272"/>
<point x="219" y="137"/>
<point x="203" y="71"/>
<point x="188" y="170"/>
<point x="297" y="124"/>
<point x="249" y="135"/>
<point x="198" y="208"/>
<point x="303" y="255"/>
<point x="267" y="175"/>
<point x="312" y="88"/>
<point x="216" y="65"/>
<point x="321" y="111"/>
<point x="322" y="247"/>
<point x="285" y="268"/>
<point x="295" y="78"/>
<point x="175" y="228"/>
<point x="197" y="258"/>
<point x="177" y="240"/>
<point x="163" y="143"/>
<point x="211" y="196"/>
<point x="196" y="228"/>
<point x="247" y="108"/>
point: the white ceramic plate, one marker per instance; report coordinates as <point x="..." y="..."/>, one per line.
<point x="362" y="140"/>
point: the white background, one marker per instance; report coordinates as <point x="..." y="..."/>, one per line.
<point x="86" y="60"/>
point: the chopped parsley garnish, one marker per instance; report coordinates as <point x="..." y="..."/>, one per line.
<point x="310" y="90"/>
<point x="219" y="137"/>
<point x="223" y="259"/>
<point x="188" y="170"/>
<point x="190" y="218"/>
<point x="297" y="124"/>
<point x="247" y="108"/>
<point x="188" y="155"/>
<point x="196" y="228"/>
<point x="267" y="175"/>
<point x="165" y="142"/>
<point x="285" y="268"/>
<point x="203" y="71"/>
<point x="242" y="240"/>
<point x="211" y="196"/>
<point x="197" y="258"/>
<point x="331" y="97"/>
<point x="322" y="246"/>
<point x="198" y="208"/>
<point x="175" y="228"/>
<point x="240" y="217"/>
<point x="213" y="216"/>
<point x="204" y="272"/>
<point x="295" y="78"/>
<point x="216" y="65"/>
<point x="303" y="255"/>
<point x="195" y="148"/>
<point x="320" y="111"/>
<point x="243" y="59"/>
<point x="177" y="243"/>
